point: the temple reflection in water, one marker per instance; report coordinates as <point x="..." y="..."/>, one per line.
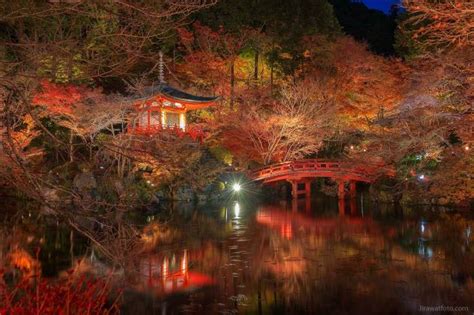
<point x="320" y="256"/>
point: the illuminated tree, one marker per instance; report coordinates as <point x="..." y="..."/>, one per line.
<point x="213" y="55"/>
<point x="441" y="24"/>
<point x="289" y="128"/>
<point x="77" y="41"/>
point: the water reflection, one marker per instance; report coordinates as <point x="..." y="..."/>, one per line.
<point x="170" y="274"/>
<point x="316" y="256"/>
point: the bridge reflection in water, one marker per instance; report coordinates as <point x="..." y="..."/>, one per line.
<point x="286" y="221"/>
<point x="276" y="259"/>
<point x="306" y="205"/>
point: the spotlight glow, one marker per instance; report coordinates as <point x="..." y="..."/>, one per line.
<point x="236" y="187"/>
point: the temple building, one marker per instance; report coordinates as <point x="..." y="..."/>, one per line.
<point x="164" y="107"/>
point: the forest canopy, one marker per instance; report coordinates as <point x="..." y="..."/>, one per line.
<point x="296" y="79"/>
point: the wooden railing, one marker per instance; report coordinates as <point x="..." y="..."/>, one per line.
<point x="194" y="132"/>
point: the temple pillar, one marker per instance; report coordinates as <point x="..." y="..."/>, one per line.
<point x="182" y="121"/>
<point x="163" y="119"/>
<point x="165" y="270"/>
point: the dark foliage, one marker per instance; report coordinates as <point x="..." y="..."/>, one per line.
<point x="364" y="24"/>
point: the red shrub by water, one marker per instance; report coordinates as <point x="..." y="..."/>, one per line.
<point x="36" y="295"/>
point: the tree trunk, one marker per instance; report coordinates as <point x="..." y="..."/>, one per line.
<point x="255" y="68"/>
<point x="232" y="84"/>
<point x="271" y="79"/>
<point x="91" y="141"/>
<point x="71" y="147"/>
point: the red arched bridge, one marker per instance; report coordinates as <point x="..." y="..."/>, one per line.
<point x="302" y="172"/>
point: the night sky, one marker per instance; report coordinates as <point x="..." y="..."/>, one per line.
<point x="383" y="5"/>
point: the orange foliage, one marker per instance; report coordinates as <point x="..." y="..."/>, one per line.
<point x="58" y="99"/>
<point x="209" y="56"/>
<point x="363" y="86"/>
<point x="22" y="260"/>
<point x="444" y="23"/>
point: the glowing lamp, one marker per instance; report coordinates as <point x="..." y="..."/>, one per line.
<point x="421" y="177"/>
<point x="236" y="187"/>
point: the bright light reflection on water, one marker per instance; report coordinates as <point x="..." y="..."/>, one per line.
<point x="293" y="258"/>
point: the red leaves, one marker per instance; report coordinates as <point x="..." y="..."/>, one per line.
<point x="194" y="132"/>
<point x="186" y="37"/>
<point x="57" y="98"/>
<point x="66" y="296"/>
<point x="65" y="99"/>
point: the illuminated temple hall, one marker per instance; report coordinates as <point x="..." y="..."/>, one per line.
<point x="164" y="107"/>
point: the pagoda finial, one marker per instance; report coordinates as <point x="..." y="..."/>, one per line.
<point x="161" y="69"/>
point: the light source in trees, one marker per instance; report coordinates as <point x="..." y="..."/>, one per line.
<point x="236" y="187"/>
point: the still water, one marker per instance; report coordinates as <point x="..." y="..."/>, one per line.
<point x="248" y="257"/>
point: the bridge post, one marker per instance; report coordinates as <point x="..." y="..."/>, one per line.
<point x="353" y="206"/>
<point x="294" y="205"/>
<point x="308" y="204"/>
<point x="342" y="207"/>
<point x="294" y="189"/>
<point x="307" y="188"/>
<point x="341" y="189"/>
<point x="353" y="189"/>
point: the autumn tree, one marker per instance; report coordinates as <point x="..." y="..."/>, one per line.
<point x="80" y="41"/>
<point x="211" y="58"/>
<point x="169" y="161"/>
<point x="289" y="128"/>
<point x="441" y="24"/>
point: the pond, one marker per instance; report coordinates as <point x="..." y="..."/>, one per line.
<point x="248" y="257"/>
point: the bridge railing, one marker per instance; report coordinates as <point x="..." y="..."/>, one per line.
<point x="315" y="165"/>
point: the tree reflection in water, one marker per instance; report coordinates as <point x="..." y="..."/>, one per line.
<point x="265" y="260"/>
